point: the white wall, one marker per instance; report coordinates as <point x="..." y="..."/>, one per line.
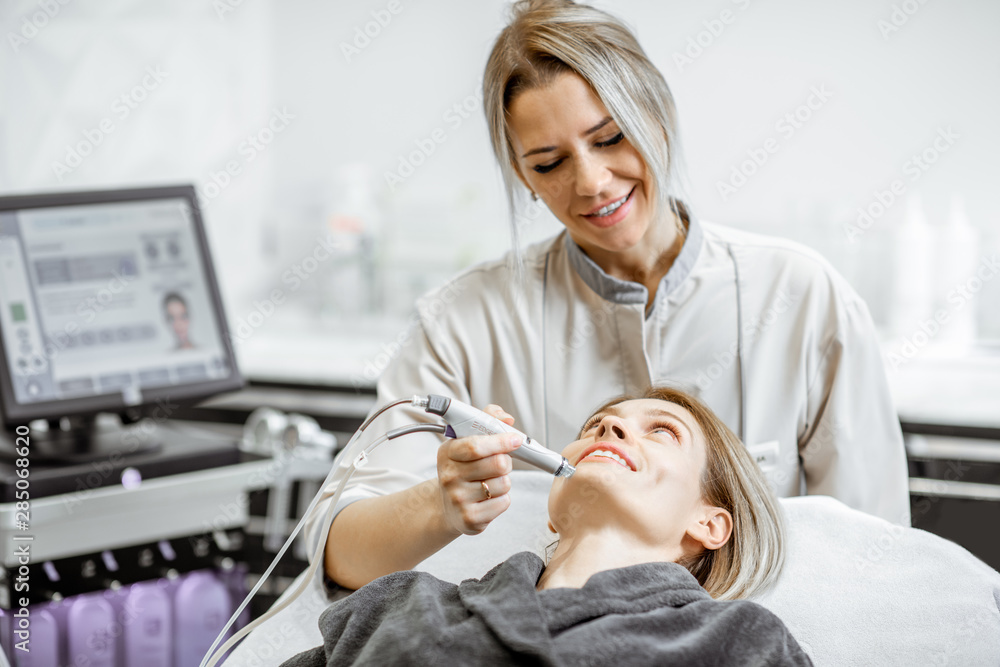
<point x="889" y="95"/>
<point x="65" y="71"/>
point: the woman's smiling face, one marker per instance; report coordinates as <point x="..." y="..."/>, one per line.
<point x="638" y="464"/>
<point x="571" y="152"/>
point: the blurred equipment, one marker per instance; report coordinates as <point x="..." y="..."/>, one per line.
<point x="302" y="453"/>
<point x="270" y="432"/>
<point x="913" y="254"/>
<point x="352" y="282"/>
<point x="957" y="259"/>
<point x="163" y="606"/>
<point x="108" y="303"/>
<point x="133" y="522"/>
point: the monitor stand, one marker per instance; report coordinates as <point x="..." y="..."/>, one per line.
<point x="72" y="440"/>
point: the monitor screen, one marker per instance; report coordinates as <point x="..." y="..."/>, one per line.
<point x="108" y="300"/>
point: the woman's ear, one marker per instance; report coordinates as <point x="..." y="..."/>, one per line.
<point x="712" y="529"/>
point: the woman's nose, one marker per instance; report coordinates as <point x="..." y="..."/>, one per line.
<point x="591" y="176"/>
<point x="611" y="426"/>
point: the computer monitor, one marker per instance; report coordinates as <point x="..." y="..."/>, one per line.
<point x="108" y="303"/>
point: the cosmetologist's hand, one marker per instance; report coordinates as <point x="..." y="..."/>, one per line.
<point x="464" y="464"/>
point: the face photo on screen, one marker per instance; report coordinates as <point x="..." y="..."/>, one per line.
<point x="178" y="317"/>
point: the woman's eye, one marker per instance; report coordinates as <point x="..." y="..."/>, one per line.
<point x="612" y="141"/>
<point x="546" y="168"/>
<point x="670" y="429"/>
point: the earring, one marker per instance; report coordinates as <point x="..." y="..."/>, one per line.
<point x="534" y="196"/>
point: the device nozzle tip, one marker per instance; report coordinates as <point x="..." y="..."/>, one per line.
<point x="565" y="470"/>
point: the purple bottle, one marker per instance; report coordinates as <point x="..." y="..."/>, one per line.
<point x="92" y="631"/>
<point x="149" y="632"/>
<point x="44" y="642"/>
<point x="201" y="608"/>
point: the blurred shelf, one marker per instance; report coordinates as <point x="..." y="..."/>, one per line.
<point x="306" y="355"/>
<point x="949" y="394"/>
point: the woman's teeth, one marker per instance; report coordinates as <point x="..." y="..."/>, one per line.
<point x="611" y="455"/>
<point x="610" y="208"/>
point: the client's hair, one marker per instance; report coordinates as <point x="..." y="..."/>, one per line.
<point x="752" y="558"/>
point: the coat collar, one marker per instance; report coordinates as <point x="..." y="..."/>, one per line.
<point x="623" y="291"/>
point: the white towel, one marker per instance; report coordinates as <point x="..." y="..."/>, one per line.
<point x="857" y="590"/>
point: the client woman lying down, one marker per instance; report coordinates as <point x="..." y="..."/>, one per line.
<point x="666" y="524"/>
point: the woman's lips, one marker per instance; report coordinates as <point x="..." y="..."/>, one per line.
<point x="588" y="455"/>
<point x="615" y="216"/>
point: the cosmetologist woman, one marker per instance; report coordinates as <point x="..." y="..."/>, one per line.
<point x="635" y="291"/>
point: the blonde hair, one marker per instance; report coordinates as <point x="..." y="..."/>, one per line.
<point x="753" y="557"/>
<point x="546" y="38"/>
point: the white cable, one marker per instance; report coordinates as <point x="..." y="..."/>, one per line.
<point x="213" y="655"/>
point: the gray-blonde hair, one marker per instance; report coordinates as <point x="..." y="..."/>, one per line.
<point x="546" y="38"/>
<point x="753" y="557"/>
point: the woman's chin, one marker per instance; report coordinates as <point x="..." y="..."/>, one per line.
<point x="619" y="239"/>
<point x="591" y="483"/>
<point x="605" y="470"/>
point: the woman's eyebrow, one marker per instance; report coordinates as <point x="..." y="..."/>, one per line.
<point x="604" y="121"/>
<point x="597" y="416"/>
<point x="547" y="149"/>
<point x="536" y="151"/>
<point x="653" y="412"/>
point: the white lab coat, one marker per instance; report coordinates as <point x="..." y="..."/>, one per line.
<point x="762" y="329"/>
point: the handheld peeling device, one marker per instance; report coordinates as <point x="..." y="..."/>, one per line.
<point x="464" y="420"/>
